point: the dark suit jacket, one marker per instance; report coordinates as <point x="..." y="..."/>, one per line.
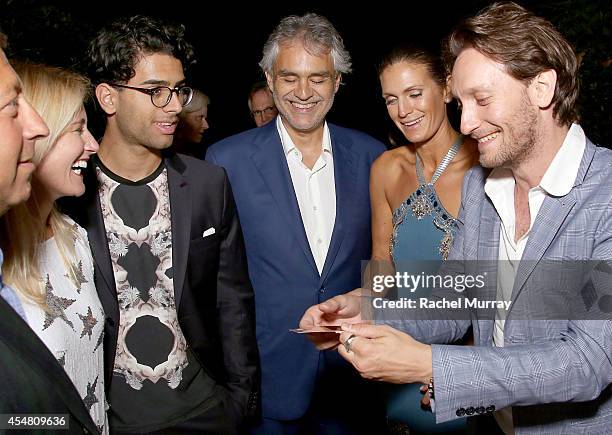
<point x="33" y="382"/>
<point x="211" y="284"/>
<point x="281" y="266"/>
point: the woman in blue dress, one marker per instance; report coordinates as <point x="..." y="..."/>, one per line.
<point x="416" y="193"/>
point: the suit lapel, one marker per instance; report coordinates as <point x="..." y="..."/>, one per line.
<point x="18" y="335"/>
<point x="548" y="222"/>
<point x="87" y="211"/>
<point x="99" y="248"/>
<point x="180" y="212"/>
<point x="270" y="161"/>
<point x="551" y="216"/>
<point x="345" y="170"/>
<point x="488" y="253"/>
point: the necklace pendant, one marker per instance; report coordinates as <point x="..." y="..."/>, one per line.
<point x="421" y="207"/>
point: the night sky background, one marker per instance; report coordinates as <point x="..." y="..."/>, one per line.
<point x="228" y="37"/>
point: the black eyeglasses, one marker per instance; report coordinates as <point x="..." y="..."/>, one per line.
<point x="161" y="95"/>
<point x="266" y="110"/>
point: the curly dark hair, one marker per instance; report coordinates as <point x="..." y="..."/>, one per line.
<point x="116" y="49"/>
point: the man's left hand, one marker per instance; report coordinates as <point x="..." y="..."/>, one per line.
<point x="382" y="353"/>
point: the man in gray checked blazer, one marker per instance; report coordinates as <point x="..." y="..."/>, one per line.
<point x="547" y="198"/>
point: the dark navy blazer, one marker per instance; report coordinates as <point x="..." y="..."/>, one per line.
<point x="281" y="266"/>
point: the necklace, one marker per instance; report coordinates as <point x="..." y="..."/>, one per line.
<point x="421" y="207"/>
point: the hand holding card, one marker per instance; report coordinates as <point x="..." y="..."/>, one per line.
<point x="334" y="329"/>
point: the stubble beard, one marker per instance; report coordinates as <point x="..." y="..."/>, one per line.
<point x="288" y="118"/>
<point x="519" y="141"/>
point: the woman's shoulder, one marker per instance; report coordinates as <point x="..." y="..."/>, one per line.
<point x="395" y="162"/>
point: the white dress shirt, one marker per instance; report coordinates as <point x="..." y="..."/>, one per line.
<point x="315" y="190"/>
<point x="558" y="180"/>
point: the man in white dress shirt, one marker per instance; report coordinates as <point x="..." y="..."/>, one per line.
<point x="301" y="188"/>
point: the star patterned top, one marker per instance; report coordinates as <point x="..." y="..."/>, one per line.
<point x="72" y="327"/>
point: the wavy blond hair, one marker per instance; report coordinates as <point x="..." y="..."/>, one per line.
<point x="57" y="95"/>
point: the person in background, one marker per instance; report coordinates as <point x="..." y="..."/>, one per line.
<point x="261" y="104"/>
<point x="192" y="124"/>
<point x="47" y="257"/>
<point x="33" y="381"/>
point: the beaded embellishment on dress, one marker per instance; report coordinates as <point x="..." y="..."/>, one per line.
<point x="424" y="202"/>
<point x="421" y="207"/>
<point x="442" y="219"/>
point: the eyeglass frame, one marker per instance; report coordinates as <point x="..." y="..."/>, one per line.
<point x="261" y="112"/>
<point x="151" y="91"/>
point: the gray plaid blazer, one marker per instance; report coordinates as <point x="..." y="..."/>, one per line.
<point x="555" y="374"/>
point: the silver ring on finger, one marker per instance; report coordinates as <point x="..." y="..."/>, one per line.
<point x="347" y="343"/>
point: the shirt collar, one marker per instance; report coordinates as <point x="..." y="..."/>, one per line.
<point x="560" y="175"/>
<point x="288" y="144"/>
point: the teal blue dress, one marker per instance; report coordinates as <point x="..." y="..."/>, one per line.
<point x="423" y="232"/>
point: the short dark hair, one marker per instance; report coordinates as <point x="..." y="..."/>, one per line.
<point x="117" y="48"/>
<point x="418" y="54"/>
<point x="526" y="45"/>
<point x="258" y="86"/>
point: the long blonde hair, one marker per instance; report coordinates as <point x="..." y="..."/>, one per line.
<point x="57" y="95"/>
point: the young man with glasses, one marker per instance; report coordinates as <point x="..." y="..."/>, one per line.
<point x="261" y="104"/>
<point x="170" y="263"/>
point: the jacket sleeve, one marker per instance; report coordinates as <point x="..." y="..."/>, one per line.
<point x="236" y="314"/>
<point x="576" y="367"/>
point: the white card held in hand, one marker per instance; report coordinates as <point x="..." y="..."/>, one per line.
<point x="318" y="329"/>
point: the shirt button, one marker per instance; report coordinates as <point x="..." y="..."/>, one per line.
<point x="315" y="208"/>
<point x="319" y="241"/>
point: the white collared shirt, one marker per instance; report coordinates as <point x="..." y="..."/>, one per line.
<point x="558" y="180"/>
<point x="315" y="190"/>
